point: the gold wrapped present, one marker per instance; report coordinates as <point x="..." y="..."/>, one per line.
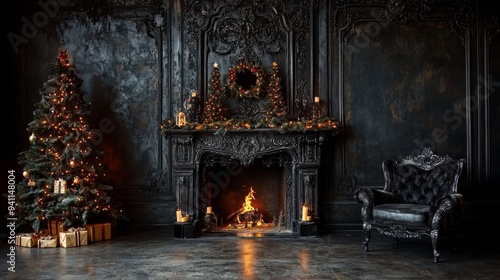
<point x="55" y="227"/>
<point x="47" y="241"/>
<point x="106" y="231"/>
<point x="27" y="240"/>
<point x="95" y="232"/>
<point x="73" y="237"/>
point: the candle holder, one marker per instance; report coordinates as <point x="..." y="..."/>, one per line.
<point x="180" y="119"/>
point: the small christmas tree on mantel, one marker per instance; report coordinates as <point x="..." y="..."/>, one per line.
<point x="65" y="178"/>
<point x="215" y="109"/>
<point x="276" y="106"/>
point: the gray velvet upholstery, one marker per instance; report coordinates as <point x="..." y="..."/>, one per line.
<point x="419" y="198"/>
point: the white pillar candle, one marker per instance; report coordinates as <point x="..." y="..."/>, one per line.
<point x="209" y="210"/>
<point x="179" y="215"/>
<point x="305" y="213"/>
<point x="316" y="99"/>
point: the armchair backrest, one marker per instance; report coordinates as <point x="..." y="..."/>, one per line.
<point x="423" y="178"/>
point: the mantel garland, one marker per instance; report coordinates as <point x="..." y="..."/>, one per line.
<point x="274" y="119"/>
<point x="256" y="90"/>
<point x="221" y="127"/>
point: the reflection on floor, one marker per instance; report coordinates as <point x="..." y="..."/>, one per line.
<point x="154" y="253"/>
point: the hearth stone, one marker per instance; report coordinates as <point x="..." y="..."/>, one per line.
<point x="183" y="230"/>
<point x="307" y="228"/>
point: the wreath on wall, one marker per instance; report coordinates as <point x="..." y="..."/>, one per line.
<point x="246" y="80"/>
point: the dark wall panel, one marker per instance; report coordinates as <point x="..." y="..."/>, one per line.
<point x="404" y="90"/>
<point x="493" y="101"/>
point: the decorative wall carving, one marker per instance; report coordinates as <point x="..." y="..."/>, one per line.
<point x="257" y="30"/>
<point x="348" y="13"/>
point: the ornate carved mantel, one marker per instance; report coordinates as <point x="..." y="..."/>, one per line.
<point x="298" y="152"/>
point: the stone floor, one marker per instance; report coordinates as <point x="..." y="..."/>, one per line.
<point x="154" y="253"/>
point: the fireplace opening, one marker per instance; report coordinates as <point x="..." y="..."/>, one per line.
<point x="245" y="198"/>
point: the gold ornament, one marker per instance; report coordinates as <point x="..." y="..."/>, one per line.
<point x="26" y="174"/>
<point x="31" y="183"/>
<point x="32" y="137"/>
<point x="72" y="163"/>
<point x="76" y="180"/>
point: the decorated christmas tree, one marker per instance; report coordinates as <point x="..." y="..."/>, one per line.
<point x="65" y="178"/>
<point x="276" y="107"/>
<point x="215" y="110"/>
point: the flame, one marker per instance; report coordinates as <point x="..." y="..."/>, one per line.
<point x="247" y="205"/>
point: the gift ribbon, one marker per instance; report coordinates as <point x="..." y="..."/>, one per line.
<point x="19" y="236"/>
<point x="77" y="233"/>
<point x="55" y="227"/>
<point x="72" y="229"/>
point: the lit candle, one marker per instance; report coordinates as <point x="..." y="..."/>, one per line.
<point x="309" y="218"/>
<point x="316" y="99"/>
<point x="179" y="215"/>
<point x="194" y="94"/>
<point x="184" y="219"/>
<point x="209" y="210"/>
<point x="305" y="213"/>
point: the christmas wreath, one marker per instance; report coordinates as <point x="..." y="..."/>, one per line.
<point x="246" y="80"/>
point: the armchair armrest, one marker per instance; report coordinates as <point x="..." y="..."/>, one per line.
<point x="371" y="197"/>
<point x="453" y="203"/>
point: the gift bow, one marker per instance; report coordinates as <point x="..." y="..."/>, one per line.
<point x="29" y="234"/>
<point x="47" y="237"/>
<point x="72" y="229"/>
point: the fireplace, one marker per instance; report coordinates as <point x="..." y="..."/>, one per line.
<point x="241" y="197"/>
<point x="215" y="173"/>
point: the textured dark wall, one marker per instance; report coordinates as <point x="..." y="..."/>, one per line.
<point x="404" y="90"/>
<point x="397" y="79"/>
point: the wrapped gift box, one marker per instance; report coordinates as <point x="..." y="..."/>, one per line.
<point x="47" y="241"/>
<point x="95" y="232"/>
<point x="73" y="237"/>
<point x="106" y="231"/>
<point x="26" y="240"/>
<point x="55" y="227"/>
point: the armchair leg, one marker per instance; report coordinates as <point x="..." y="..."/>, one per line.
<point x="367" y="239"/>
<point x="434" y="239"/>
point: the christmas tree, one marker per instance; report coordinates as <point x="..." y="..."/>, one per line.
<point x="215" y="109"/>
<point x="276" y="107"/>
<point x="65" y="178"/>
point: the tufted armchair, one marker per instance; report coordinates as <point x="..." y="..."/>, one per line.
<point x="419" y="198"/>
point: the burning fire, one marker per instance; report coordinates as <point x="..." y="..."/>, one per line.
<point x="247" y="215"/>
<point x="247" y="205"/>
